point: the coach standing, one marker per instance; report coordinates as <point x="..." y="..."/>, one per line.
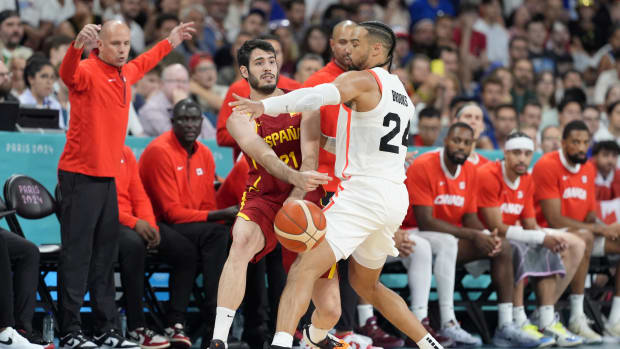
<point x="100" y="95"/>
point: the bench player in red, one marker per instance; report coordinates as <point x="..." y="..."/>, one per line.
<point x="277" y="150"/>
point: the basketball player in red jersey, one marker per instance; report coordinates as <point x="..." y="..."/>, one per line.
<point x="275" y="148"/>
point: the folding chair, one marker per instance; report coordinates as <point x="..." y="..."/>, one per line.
<point x="29" y="199"/>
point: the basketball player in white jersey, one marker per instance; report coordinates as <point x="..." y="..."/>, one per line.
<point x="372" y="199"/>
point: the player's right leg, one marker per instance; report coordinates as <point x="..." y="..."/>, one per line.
<point x="248" y="240"/>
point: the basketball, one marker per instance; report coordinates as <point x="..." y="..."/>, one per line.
<point x="299" y="225"/>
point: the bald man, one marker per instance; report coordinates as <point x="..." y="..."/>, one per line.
<point x="100" y="96"/>
<point x="156" y="113"/>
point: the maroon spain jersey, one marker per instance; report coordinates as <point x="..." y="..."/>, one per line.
<point x="282" y="134"/>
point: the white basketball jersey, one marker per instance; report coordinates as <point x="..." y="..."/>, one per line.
<point x="374" y="143"/>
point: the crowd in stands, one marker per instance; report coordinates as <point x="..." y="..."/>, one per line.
<point x="483" y="74"/>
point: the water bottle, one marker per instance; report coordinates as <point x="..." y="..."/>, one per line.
<point x="123" y="318"/>
<point x="48" y="328"/>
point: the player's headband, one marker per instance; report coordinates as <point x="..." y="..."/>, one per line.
<point x="519" y="143"/>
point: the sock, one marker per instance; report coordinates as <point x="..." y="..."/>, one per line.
<point x="428" y="342"/>
<point x="364" y="312"/>
<point x="547" y="315"/>
<point x="283" y="339"/>
<point x="614" y="314"/>
<point x="316" y="334"/>
<point x="420" y="312"/>
<point x="223" y="321"/>
<point x="576" y="306"/>
<point x="519" y="316"/>
<point x="446" y="314"/>
<point x="504" y="314"/>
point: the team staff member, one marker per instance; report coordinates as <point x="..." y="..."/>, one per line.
<point x="604" y="158"/>
<point x="506" y="203"/>
<point x="242" y="88"/>
<point x="139" y="232"/>
<point x="565" y="199"/>
<point x="178" y="174"/>
<point x="100" y="96"/>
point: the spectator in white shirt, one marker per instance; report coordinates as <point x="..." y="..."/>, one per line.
<point x="39" y="77"/>
<point x="607" y="79"/>
<point x="492" y="26"/>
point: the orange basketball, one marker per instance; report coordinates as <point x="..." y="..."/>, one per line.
<point x="299" y="225"/>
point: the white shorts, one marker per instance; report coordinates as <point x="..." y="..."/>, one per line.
<point x="362" y="218"/>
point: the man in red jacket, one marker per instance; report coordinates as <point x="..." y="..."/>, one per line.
<point x="100" y="95"/>
<point x="242" y="88"/>
<point x="178" y="174"/>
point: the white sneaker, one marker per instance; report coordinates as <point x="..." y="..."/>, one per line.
<point x="461" y="337"/>
<point x="581" y="327"/>
<point x="562" y="336"/>
<point x="613" y="330"/>
<point x="11" y="339"/>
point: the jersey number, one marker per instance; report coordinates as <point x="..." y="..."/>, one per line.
<point x="385" y="145"/>
<point x="291" y="156"/>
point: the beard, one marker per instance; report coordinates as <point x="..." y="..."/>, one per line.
<point x="577" y="158"/>
<point x="5" y="89"/>
<point x="452" y="156"/>
<point x="265" y="89"/>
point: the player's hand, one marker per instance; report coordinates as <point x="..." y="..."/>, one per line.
<point x="310" y="180"/>
<point x="486" y="243"/>
<point x="555" y="243"/>
<point x="148" y="233"/>
<point x="611" y="231"/>
<point x="253" y="109"/>
<point x="403" y="243"/>
<point x="181" y="33"/>
<point x="88" y="34"/>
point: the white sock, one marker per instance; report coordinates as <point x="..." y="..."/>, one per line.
<point x="576" y="306"/>
<point x="504" y="314"/>
<point x="428" y="342"/>
<point x="364" y="312"/>
<point x="316" y="334"/>
<point x="547" y="315"/>
<point x="420" y="312"/>
<point x="519" y="316"/>
<point x="283" y="339"/>
<point x="223" y="321"/>
<point x="614" y="314"/>
<point x="446" y="313"/>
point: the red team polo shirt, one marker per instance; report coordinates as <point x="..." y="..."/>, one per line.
<point x="555" y="180"/>
<point x="430" y="184"/>
<point x="516" y="201"/>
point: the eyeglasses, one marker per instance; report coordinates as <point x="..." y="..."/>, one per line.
<point x="6" y="75"/>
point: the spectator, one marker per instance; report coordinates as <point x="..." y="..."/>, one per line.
<point x="156" y="114"/>
<point x="254" y="22"/>
<point x="558" y="47"/>
<point x="447" y="89"/>
<point x="491" y="24"/>
<point x="517" y="49"/>
<point x="585" y="32"/>
<point x="472" y="45"/>
<point x="606" y="79"/>
<point x="11" y="34"/>
<point x="5" y="85"/>
<point x="491" y="97"/>
<point x="571" y="79"/>
<point x="201" y="42"/>
<point x="569" y="110"/>
<point x="55" y="48"/>
<point x="39" y="77"/>
<point x="393" y="13"/>
<point x="139" y="234"/>
<point x="545" y="94"/>
<point x="444" y="31"/>
<point x="19" y="274"/>
<point x="183" y="197"/>
<point x="550" y="139"/>
<point x="604" y="55"/>
<point x="518" y="20"/>
<point x="146" y="87"/>
<point x="605" y="157"/>
<point x="214" y="30"/>
<point x="336" y="13"/>
<point x="164" y="24"/>
<point x="18" y="83"/>
<point x="531" y="116"/>
<point x="316" y="42"/>
<point x="83" y="15"/>
<point x="90" y="160"/>
<point x="532" y="133"/>
<point x="429" y="126"/>
<point x="203" y="85"/>
<point x="419" y="71"/>
<point x="592" y="118"/>
<point x="423" y="38"/>
<point x="296" y="15"/>
<point x="612" y="131"/>
<point x="39" y="17"/>
<point x="536" y="36"/>
<point x="129" y="11"/>
<point x="505" y="75"/>
<point x="504" y="123"/>
<point x="307" y="65"/>
<point x="449" y="58"/>
<point x="430" y="9"/>
<point x="522" y="91"/>
<point x="365" y="11"/>
<point x="290" y="50"/>
<point x="229" y="72"/>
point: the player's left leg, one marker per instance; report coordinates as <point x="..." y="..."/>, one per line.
<point x="326" y="299"/>
<point x="366" y="283"/>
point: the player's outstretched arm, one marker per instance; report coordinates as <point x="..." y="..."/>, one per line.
<point x="243" y="131"/>
<point x="347" y="87"/>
